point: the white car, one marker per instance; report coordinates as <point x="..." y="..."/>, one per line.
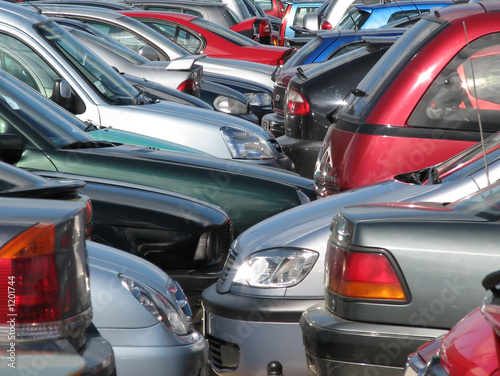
<point x="44" y="56"/>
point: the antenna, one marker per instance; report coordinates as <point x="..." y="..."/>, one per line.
<point x="477" y="106"/>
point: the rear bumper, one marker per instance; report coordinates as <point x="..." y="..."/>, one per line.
<point x="303" y="154"/>
<point x="273" y="123"/>
<point x="246" y="333"/>
<point x="345" y="348"/>
<point x="97" y="355"/>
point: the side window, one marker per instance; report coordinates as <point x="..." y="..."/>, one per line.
<point x="404" y="14"/>
<point x="299" y="14"/>
<point x="182" y="37"/>
<point x="170" y="8"/>
<point x="346" y="48"/>
<point x="22" y="62"/>
<point x="467" y="89"/>
<point x="123" y="36"/>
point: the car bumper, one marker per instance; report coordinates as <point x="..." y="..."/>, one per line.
<point x="97" y="355"/>
<point x="303" y="153"/>
<point x="147" y="351"/>
<point x="246" y="333"/>
<point x="341" y="347"/>
<point x="273" y="123"/>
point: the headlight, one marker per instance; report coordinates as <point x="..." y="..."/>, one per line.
<point x="157" y="305"/>
<point x="230" y="105"/>
<point x="259" y="99"/>
<point x="275" y="268"/>
<point x="246" y="145"/>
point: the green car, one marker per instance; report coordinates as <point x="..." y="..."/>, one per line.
<point x="37" y="134"/>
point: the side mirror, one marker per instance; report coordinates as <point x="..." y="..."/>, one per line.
<point x="311" y="21"/>
<point x="149" y="53"/>
<point x="64" y="97"/>
<point x="11" y="147"/>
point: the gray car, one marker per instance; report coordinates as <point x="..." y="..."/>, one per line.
<point x="275" y="269"/>
<point x="42" y="53"/>
<point x="145" y="316"/>
<point x="396" y="277"/>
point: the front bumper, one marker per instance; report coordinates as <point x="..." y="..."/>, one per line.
<point x="346" y="348"/>
<point x="147" y="351"/>
<point x="246" y="333"/>
<point x="274" y="123"/>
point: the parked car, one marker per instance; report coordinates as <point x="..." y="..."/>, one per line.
<point x="200" y="36"/>
<point x="46" y="305"/>
<point x="272" y="7"/>
<point x="147" y="75"/>
<point x="429" y="125"/>
<point x="46" y="137"/>
<point x="310" y="98"/>
<point x="383" y="298"/>
<point x="156" y="333"/>
<point x="329" y="14"/>
<point x="294" y="13"/>
<point x="136" y="35"/>
<point x="470" y="345"/>
<point x="258" y="291"/>
<point x="370" y="16"/>
<point x="99" y="93"/>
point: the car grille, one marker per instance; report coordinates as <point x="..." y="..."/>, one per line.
<point x="223" y="355"/>
<point x="223" y="236"/>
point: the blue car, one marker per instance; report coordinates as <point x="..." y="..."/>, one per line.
<point x="362" y="16"/>
<point x="294" y="13"/>
<point x="329" y="44"/>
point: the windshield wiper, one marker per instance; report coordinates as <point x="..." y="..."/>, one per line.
<point x="88" y="144"/>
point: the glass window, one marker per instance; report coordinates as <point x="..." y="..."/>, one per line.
<point x="405" y="14"/>
<point x="465" y="91"/>
<point x="183" y="37"/>
<point x="347" y="48"/>
<point x="300" y="13"/>
<point x="303" y="53"/>
<point x="170" y="8"/>
<point x="225" y="33"/>
<point x="353" y="20"/>
<point x="265" y="4"/>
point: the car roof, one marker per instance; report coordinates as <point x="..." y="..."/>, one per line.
<point x="397" y="4"/>
<point x="199" y="3"/>
<point x="159" y="14"/>
<point x="302" y="1"/>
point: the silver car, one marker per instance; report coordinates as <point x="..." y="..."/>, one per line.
<point x="144" y="315"/>
<point x="41" y="53"/>
<point x="275" y="269"/>
<point x="135" y="35"/>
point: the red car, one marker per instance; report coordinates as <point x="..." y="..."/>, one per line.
<point x="200" y="36"/>
<point x="470" y="348"/>
<point x="418" y="106"/>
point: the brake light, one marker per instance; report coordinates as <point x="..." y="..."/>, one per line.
<point x="296" y="104"/>
<point x="88" y="219"/>
<point x="189" y="87"/>
<point x="361" y="275"/>
<point x="29" y="258"/>
<point x="264" y="29"/>
<point x="326" y="26"/>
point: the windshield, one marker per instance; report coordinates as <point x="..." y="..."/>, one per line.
<point x="106" y="81"/>
<point x="485" y="204"/>
<point x="388" y="66"/>
<point x="224" y="32"/>
<point x="44" y="123"/>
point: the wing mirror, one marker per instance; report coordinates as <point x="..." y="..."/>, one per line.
<point x="64" y="97"/>
<point x="149" y="53"/>
<point x="11" y="147"/>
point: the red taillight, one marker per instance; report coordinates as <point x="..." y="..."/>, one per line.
<point x="29" y="260"/>
<point x="296" y="104"/>
<point x="189" y="87"/>
<point x="264" y="29"/>
<point x="362" y="275"/>
<point x="326" y="26"/>
<point x="88" y="219"/>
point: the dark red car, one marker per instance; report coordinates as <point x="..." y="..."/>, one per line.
<point x="418" y="105"/>
<point x="200" y="36"/>
<point x="470" y="348"/>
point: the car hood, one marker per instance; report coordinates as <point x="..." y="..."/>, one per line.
<point x="239" y="68"/>
<point x="308" y="226"/>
